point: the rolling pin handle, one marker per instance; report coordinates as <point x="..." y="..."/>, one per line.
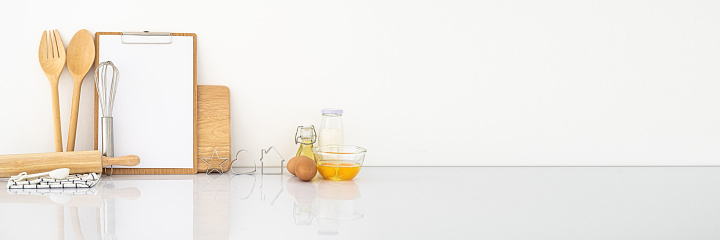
<point x="129" y="160"/>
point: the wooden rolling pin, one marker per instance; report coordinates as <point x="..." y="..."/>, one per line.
<point x="77" y="162"/>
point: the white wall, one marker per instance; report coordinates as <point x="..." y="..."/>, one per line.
<point x="422" y="82"/>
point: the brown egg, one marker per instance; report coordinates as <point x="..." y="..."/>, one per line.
<point x="305" y="168"/>
<point x="291" y="164"/>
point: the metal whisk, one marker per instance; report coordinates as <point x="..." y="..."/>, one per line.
<point x="106" y="96"/>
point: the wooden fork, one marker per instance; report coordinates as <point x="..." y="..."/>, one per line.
<point x="52" y="60"/>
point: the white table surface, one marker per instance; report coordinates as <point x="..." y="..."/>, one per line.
<point x="383" y="203"/>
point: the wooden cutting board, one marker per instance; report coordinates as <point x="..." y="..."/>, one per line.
<point x="213" y="127"/>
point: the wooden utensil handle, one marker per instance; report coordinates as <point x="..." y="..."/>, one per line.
<point x="129" y="160"/>
<point x="74" y="113"/>
<point x="56" y="116"/>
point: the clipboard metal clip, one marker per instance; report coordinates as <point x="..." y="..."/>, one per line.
<point x="146" y="37"/>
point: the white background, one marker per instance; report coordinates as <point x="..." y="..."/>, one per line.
<point x="422" y="82"/>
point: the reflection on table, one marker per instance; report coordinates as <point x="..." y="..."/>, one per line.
<point x="328" y="202"/>
<point x="178" y="206"/>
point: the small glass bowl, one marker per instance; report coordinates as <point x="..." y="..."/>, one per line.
<point x="339" y="162"/>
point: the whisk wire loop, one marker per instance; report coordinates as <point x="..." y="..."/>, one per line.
<point x="106" y="95"/>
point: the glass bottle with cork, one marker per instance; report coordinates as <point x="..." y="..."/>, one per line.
<point x="306" y="137"/>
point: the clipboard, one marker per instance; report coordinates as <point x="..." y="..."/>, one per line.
<point x="155" y="109"/>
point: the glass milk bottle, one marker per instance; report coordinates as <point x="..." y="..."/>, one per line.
<point x="331" y="128"/>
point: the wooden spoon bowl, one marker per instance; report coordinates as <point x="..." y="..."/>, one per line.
<point x="80" y="58"/>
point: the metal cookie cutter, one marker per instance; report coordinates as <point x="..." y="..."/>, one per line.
<point x="262" y="163"/>
<point x="214" y="155"/>
<point x="238" y="172"/>
<point x="264" y="153"/>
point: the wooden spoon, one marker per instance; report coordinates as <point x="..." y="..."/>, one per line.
<point x="80" y="57"/>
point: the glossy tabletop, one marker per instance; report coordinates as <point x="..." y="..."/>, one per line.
<point x="381" y="203"/>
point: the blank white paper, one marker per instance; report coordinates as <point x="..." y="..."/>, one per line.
<point x="153" y="112"/>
